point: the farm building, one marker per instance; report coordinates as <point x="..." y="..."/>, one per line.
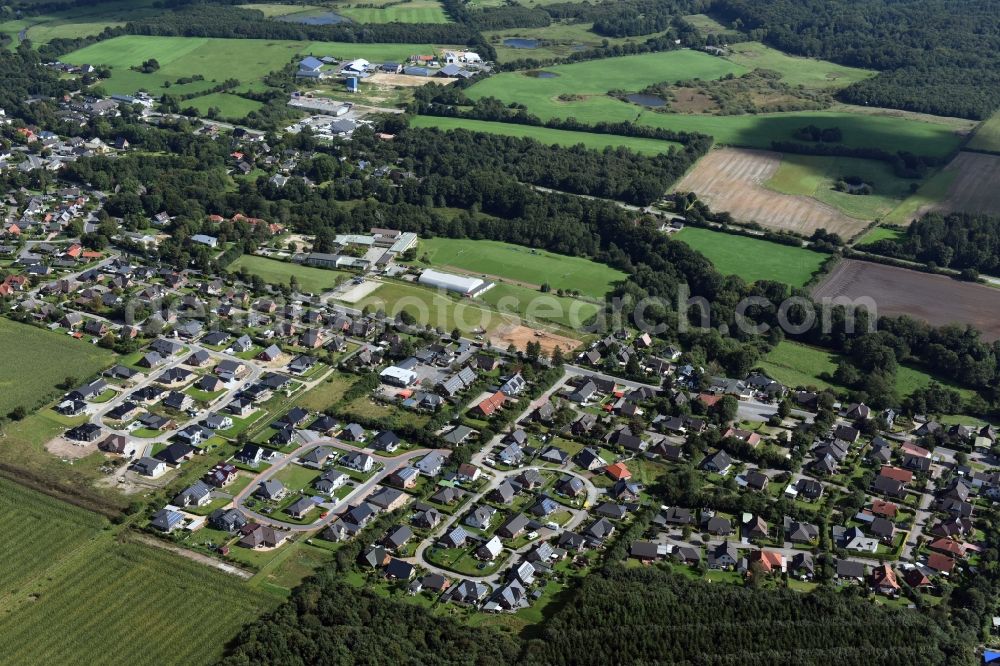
<point x="467" y="286"/>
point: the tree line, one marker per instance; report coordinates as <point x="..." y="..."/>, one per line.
<point x="968" y="242"/>
<point x="935" y="56"/>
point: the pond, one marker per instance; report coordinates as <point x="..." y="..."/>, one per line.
<point x="521" y="43"/>
<point x="315" y="18"/>
<point x="646" y="100"/>
<point x="540" y="74"/>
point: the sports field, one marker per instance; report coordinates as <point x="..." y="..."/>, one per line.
<point x="987" y="136"/>
<point x="548" y="136"/>
<point x="272" y="271"/>
<point x="37" y="360"/>
<point x="536" y="306"/>
<point x="410" y="11"/>
<point x="528" y="266"/>
<point x="753" y="259"/>
<point x="159" y="607"/>
<point x="580" y="90"/>
<point x="247" y="60"/>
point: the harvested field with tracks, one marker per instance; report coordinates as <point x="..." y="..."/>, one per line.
<point x="974" y="186"/>
<point x="936" y="299"/>
<point x="732" y="180"/>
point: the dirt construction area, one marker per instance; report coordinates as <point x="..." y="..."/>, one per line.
<point x="520" y="336"/>
<point x="936" y="299"/>
<point x="975" y="187"/>
<point x="406" y="81"/>
<point x="732" y="180"/>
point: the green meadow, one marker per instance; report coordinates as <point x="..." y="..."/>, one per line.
<point x="558" y="40"/>
<point x="753" y="259"/>
<point x="548" y="136"/>
<point x="987" y="137"/>
<point x="794" y="70"/>
<point x="247" y="60"/>
<point x="411" y="11"/>
<point x="82" y="21"/>
<point x="815" y="177"/>
<point x="579" y="90"/>
<point x="529" y="266"/>
<point x="276" y="272"/>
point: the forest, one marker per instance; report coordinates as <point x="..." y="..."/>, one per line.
<point x="965" y="242"/>
<point x="935" y="56"/>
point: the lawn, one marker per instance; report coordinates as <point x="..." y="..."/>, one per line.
<point x="38" y="360"/>
<point x="247" y="60"/>
<point x="409" y="11"/>
<point x="548" y="136"/>
<point x="229" y="105"/>
<point x="987" y="136"/>
<point x="813" y="176"/>
<point x="796" y="71"/>
<point x="41" y="531"/>
<point x="529" y="266"/>
<point x="273" y="271"/>
<point x="143" y="596"/>
<point x="753" y="259"/>
<point x="579" y="90"/>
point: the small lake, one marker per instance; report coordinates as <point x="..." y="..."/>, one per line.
<point x="520" y="43"/>
<point x="314" y="18"/>
<point x="539" y="74"/>
<point x="646" y="100"/>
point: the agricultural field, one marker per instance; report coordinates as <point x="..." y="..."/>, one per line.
<point x="987" y="137"/>
<point x="972" y="186"/>
<point x="277" y="272"/>
<point x="814" y="177"/>
<point x="580" y="90"/>
<point x="737" y="181"/>
<point x="29" y="549"/>
<point x="43" y="359"/>
<point x="558" y="40"/>
<point x="528" y="267"/>
<point x="547" y="135"/>
<point x="753" y="259"/>
<point x="247" y="60"/>
<point x="936" y="299"/>
<point x="794" y="70"/>
<point x="409" y="11"/>
<point x="162" y="608"/>
<point x="83" y="21"/>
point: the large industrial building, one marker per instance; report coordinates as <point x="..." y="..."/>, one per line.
<point x="462" y="284"/>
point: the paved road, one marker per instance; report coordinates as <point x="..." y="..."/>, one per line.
<point x="578" y="516"/>
<point x="390" y="465"/>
